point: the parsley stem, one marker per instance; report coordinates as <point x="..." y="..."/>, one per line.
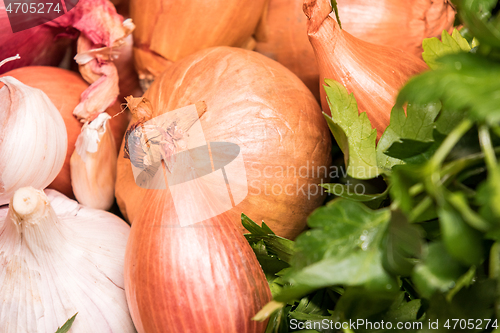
<point x="450" y="142"/>
<point x="487" y="148"/>
<point x="336" y="10"/>
<point x="433" y="182"/>
<point x="421" y="208"/>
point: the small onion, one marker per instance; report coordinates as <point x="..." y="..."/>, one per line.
<point x="168" y="30"/>
<point x="373" y="73"/>
<point x="196" y="278"/>
<point x="396" y="23"/>
<point x="64" y="88"/>
<point x="261" y="106"/>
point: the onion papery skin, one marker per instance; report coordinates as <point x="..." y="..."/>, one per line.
<point x="39" y="46"/>
<point x="64" y="88"/>
<point x="197" y="278"/>
<point x="261" y="106"/>
<point x="129" y="80"/>
<point x="168" y="30"/>
<point x="395" y="23"/>
<point x="373" y="73"/>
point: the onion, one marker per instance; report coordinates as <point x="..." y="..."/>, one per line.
<point x="64" y="88"/>
<point x="168" y="30"/>
<point x="197" y="278"/>
<point x="374" y="73"/>
<point x="261" y="106"/>
<point x="43" y="45"/>
<point x="396" y="23"/>
<point x="102" y="31"/>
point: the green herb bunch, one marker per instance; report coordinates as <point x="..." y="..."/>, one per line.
<point x="425" y="248"/>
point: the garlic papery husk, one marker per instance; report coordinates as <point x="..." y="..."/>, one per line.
<point x="57" y="259"/>
<point x="93" y="164"/>
<point x="373" y="73"/>
<point x="33" y="140"/>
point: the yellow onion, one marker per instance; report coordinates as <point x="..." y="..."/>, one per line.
<point x="168" y="30"/>
<point x="64" y="88"/>
<point x="374" y="73"/>
<point x="396" y="23"/>
<point x="195" y="278"/>
<point x="256" y="103"/>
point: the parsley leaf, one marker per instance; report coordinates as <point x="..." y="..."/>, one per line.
<point x="435" y="48"/>
<point x="416" y="129"/>
<point x="67" y="325"/>
<point x="352" y="131"/>
<point x="465" y="82"/>
<point x="343" y="247"/>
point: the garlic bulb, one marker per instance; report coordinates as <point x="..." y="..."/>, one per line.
<point x="33" y="140"/>
<point x="93" y="164"/>
<point x="57" y="259"/>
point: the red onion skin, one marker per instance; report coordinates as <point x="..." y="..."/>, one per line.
<point x="39" y="46"/>
<point x="198" y="278"/>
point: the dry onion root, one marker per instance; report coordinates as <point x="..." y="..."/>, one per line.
<point x="395" y="23"/>
<point x="374" y="73"/>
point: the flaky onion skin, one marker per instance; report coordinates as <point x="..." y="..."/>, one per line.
<point x="64" y="88"/>
<point x="396" y="23"/>
<point x="268" y="112"/>
<point x="168" y="30"/>
<point x="188" y="279"/>
<point x="42" y="45"/>
<point x="373" y="73"/>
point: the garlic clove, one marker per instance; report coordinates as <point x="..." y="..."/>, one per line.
<point x="54" y="265"/>
<point x="93" y="164"/>
<point x="33" y="139"/>
<point x="374" y="73"/>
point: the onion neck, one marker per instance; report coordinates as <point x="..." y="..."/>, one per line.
<point x="31" y="222"/>
<point x="316" y="11"/>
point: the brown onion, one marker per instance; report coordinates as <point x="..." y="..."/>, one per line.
<point x="168" y="30"/>
<point x="196" y="278"/>
<point x="261" y="106"/>
<point x="396" y="23"/>
<point x="374" y="73"/>
<point x="64" y="88"/>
